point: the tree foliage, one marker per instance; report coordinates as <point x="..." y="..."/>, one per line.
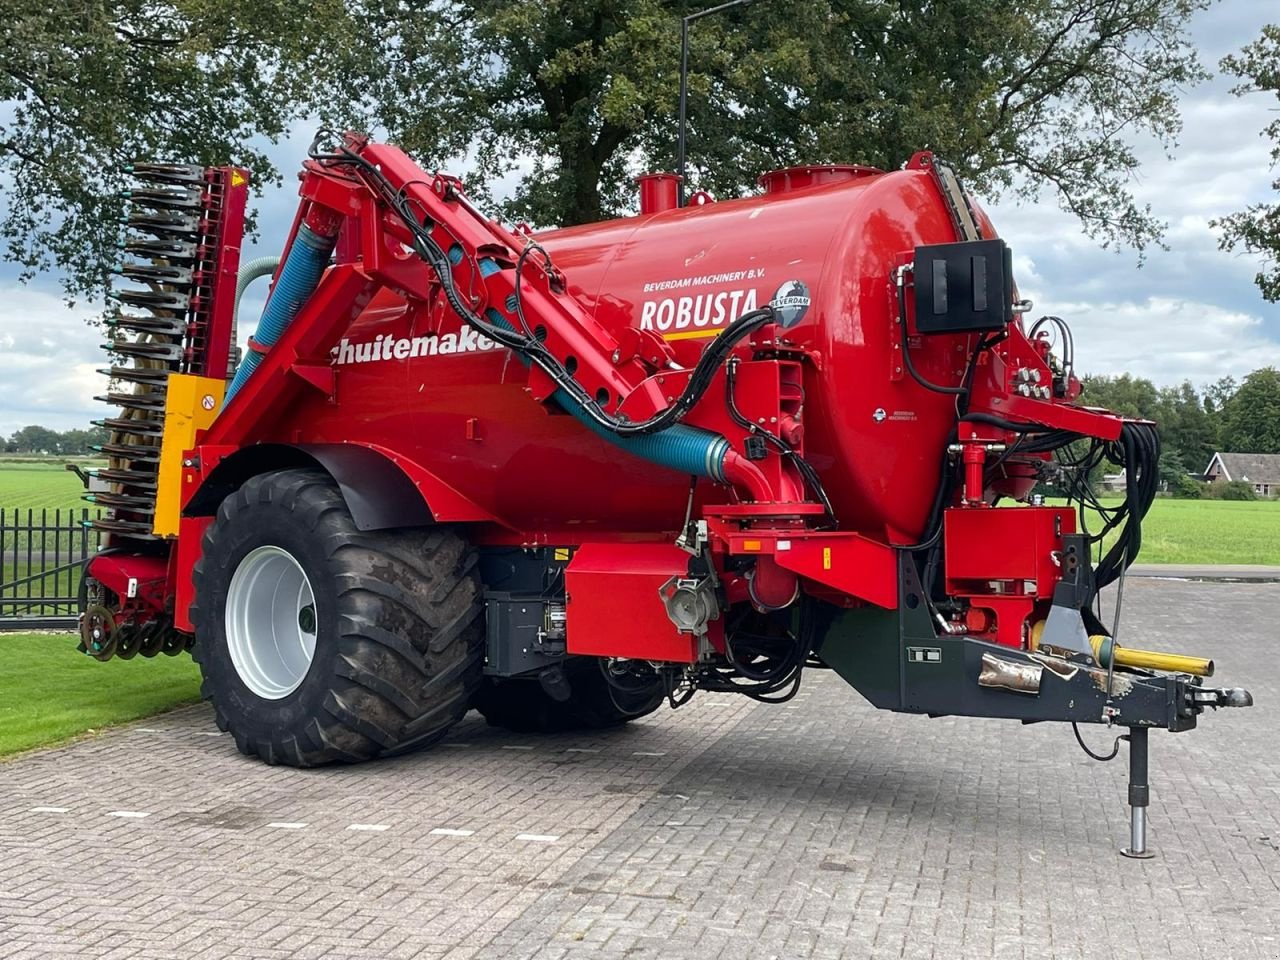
<point x="36" y="439"/>
<point x="1189" y="428"/>
<point x="1021" y="96"/>
<point x="89" y="86"/>
<point x="577" y="96"/>
<point x="1251" y="418"/>
<point x="1257" y="228"/>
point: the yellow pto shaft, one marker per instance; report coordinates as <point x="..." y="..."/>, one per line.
<point x="1142" y="659"/>
<point x="1149" y="659"/>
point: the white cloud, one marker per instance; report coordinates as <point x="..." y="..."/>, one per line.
<point x="1168" y="340"/>
<point x="1190" y="312"/>
<point x="49" y="355"/>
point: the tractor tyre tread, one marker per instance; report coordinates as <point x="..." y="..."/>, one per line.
<point x="400" y="637"/>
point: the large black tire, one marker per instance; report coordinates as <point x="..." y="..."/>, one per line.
<point x="398" y="625"/>
<point x="524" y="706"/>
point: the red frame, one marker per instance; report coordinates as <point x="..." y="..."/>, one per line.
<point x="480" y="444"/>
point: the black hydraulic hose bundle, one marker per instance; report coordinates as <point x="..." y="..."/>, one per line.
<point x="530" y="346"/>
<point x="1136" y="451"/>
<point x="767" y="668"/>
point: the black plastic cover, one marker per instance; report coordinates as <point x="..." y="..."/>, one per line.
<point x="963" y="286"/>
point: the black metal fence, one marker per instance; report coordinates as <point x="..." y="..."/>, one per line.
<point x="42" y="554"/>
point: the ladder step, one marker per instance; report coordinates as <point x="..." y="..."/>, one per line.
<point x="144" y="506"/>
<point x="161" y="249"/>
<point x="127" y="528"/>
<point x="142" y="479"/>
<point x="166" y="197"/>
<point x="128" y="451"/>
<point x="165" y="224"/>
<point x="135" y="401"/>
<point x="155" y="273"/>
<point x="180" y="173"/>
<point x="140" y="428"/>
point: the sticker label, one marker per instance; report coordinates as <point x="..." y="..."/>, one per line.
<point x="924" y="654"/>
<point x="700" y="313"/>
<point x="383" y="347"/>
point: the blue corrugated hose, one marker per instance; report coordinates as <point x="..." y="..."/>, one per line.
<point x="308" y="256"/>
<point x="679" y="447"/>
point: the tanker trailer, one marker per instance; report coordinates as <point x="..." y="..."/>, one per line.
<point x="567" y="477"/>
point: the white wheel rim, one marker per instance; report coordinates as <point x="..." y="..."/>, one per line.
<point x="270" y="607"/>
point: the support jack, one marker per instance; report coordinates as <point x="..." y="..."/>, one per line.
<point x="1139" y="796"/>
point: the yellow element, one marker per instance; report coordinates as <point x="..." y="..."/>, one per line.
<point x="191" y="404"/>
<point x="560" y="553"/>
<point x="237" y="178"/>
<point x="751" y="544"/>
<point x="1142" y="659"/>
<point x="1150" y="659"/>
<point x="826" y="558"/>
<point x="693" y="334"/>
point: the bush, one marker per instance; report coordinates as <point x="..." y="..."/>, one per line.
<point x="1235" y="490"/>
<point x="1186" y="487"/>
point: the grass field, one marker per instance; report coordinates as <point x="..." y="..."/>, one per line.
<point x="26" y="489"/>
<point x="50" y="692"/>
<point x="37" y="486"/>
<point x="1176" y="531"/>
<point x="1210" y="531"/>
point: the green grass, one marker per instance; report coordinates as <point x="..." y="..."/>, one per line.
<point x="39" y="486"/>
<point x="1209" y="531"/>
<point x="49" y="692"/>
<point x="29" y="486"/>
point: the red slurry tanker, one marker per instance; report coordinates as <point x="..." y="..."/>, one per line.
<point x="566" y="477"/>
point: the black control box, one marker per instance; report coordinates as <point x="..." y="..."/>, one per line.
<point x="962" y="287"/>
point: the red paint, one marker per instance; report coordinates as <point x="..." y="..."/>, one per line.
<point x="820" y="175"/>
<point x="613" y="605"/>
<point x="658" y="192"/>
<point x="213" y="306"/>
<point x="377" y="357"/>
<point x="1004" y="560"/>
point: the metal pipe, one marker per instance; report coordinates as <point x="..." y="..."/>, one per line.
<point x="1148" y="659"/>
<point x="684" y="84"/>
<point x="1139" y="796"/>
<point x="684" y="99"/>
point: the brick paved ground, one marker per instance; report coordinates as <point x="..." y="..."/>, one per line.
<point x="819" y="829"/>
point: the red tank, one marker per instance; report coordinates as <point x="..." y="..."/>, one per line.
<point x="458" y="403"/>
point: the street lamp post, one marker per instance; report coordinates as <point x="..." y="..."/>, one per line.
<point x="684" y="83"/>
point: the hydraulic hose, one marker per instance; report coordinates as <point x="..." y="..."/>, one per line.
<point x="307" y="259"/>
<point x="681" y="447"/>
<point x="249" y="272"/>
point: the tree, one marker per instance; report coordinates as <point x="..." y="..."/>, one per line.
<point x="1125" y="394"/>
<point x="94" y="85"/>
<point x="1021" y="97"/>
<point x="1257" y="228"/>
<point x="1251" y="418"/>
<point x="1217" y="395"/>
<point x="1187" y="428"/>
<point x="34" y="439"/>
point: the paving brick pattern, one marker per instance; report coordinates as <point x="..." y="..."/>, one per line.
<point x="819" y="829"/>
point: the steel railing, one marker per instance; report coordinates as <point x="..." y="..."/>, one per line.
<point x="42" y="556"/>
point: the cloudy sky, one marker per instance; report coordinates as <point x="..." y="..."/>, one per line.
<point x="1191" y="312"/>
